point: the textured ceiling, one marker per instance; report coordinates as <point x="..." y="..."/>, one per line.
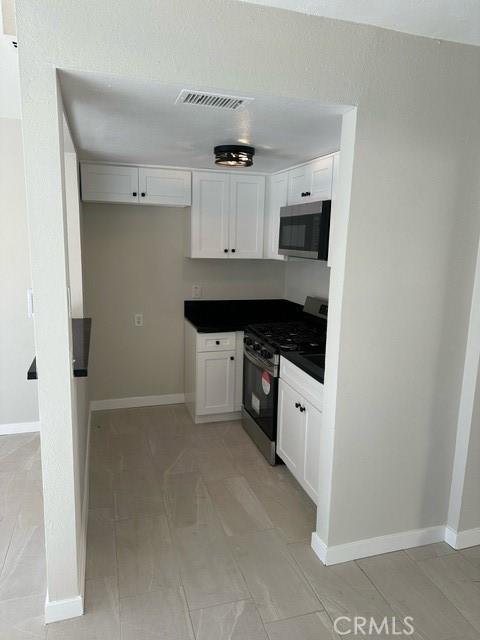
<point x="121" y="120"/>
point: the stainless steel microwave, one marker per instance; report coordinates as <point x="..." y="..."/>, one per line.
<point x="305" y="230"/>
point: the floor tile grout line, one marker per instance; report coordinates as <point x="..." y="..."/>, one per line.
<point x="446" y="596"/>
<point x="393" y="605"/>
<point x="17" y="513"/>
<point x="298" y="565"/>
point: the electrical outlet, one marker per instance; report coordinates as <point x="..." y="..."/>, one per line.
<point x="139" y="319"/>
<point x="196" y="291"/>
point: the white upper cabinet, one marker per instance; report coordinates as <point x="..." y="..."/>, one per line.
<point x="297" y="185"/>
<point x="117" y="183"/>
<point x="320" y="179"/>
<point x="247" y="204"/>
<point x="277" y="196"/>
<point x="209" y="224"/>
<point x="310" y="182"/>
<point x="227" y="215"/>
<point x="164" y="187"/>
<point x="109" y="183"/>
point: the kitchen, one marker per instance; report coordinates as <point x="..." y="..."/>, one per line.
<point x="249" y="223"/>
<point x="404" y="234"/>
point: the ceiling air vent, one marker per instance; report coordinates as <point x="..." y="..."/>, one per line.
<point x="212" y="100"/>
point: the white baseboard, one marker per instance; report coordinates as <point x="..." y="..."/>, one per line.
<point x="19" y="427"/>
<point x="57" y="610"/>
<point x="462" y="539"/>
<point x="376" y="546"/>
<point x="218" y="417"/>
<point x="137" y="401"/>
<point x="319" y="547"/>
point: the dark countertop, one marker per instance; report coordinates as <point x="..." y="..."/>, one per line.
<point x="81" y="329"/>
<point x="316" y="369"/>
<point x="210" y="316"/>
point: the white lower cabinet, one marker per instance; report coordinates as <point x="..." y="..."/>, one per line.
<point x="299" y="429"/>
<point x="291" y="428"/>
<point x="215" y="382"/>
<point x="313" y="425"/>
<point x="213" y="374"/>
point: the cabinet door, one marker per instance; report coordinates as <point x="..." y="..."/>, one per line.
<point x="209" y="216"/>
<point x="313" y="425"/>
<point x="215" y="382"/>
<point x="164" y="187"/>
<point x="239" y="372"/>
<point x="291" y="429"/>
<point x="277" y="193"/>
<point x="297" y="184"/>
<point x="247" y="206"/>
<point x="319" y="179"/>
<point x="109" y="183"/>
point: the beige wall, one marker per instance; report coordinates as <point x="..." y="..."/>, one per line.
<point x="18" y="396"/>
<point x="134" y="262"/>
<point x="412" y="234"/>
<point x="306" y="278"/>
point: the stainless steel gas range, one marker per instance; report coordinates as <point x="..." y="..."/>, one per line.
<point x="263" y="345"/>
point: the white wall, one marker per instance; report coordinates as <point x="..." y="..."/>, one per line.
<point x="9" y="80"/>
<point x="134" y="262"/>
<point x="411" y="242"/>
<point x="18" y="396"/>
<point x="74" y="233"/>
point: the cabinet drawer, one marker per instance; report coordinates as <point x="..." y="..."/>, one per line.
<point x="308" y="387"/>
<point x="215" y="342"/>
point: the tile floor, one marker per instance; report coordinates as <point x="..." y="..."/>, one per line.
<point x="193" y="536"/>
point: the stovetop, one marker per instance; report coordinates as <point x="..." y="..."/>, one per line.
<point x="292" y="336"/>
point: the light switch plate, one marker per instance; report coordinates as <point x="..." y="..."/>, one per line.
<point x="196" y="291"/>
<point x="139" y="319"/>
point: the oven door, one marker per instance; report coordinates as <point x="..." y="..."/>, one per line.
<point x="304" y="230"/>
<point x="260" y="392"/>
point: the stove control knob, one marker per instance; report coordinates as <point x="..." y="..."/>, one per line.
<point x="257" y="347"/>
<point x="265" y="353"/>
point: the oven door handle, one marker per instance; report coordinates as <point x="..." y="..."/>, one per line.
<point x="259" y="363"/>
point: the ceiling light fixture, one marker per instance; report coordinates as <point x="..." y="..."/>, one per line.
<point x="234" y="155"/>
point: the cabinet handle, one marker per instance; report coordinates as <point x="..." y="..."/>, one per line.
<point x="302" y="409"/>
<point x="232" y="358"/>
<point x="297" y="405"/>
<point x="217" y="341"/>
<point x="134" y="193"/>
<point x="225" y="251"/>
<point x="302" y="195"/>
<point x="307" y="193"/>
<point x="233" y="250"/>
<point x="143" y="194"/>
